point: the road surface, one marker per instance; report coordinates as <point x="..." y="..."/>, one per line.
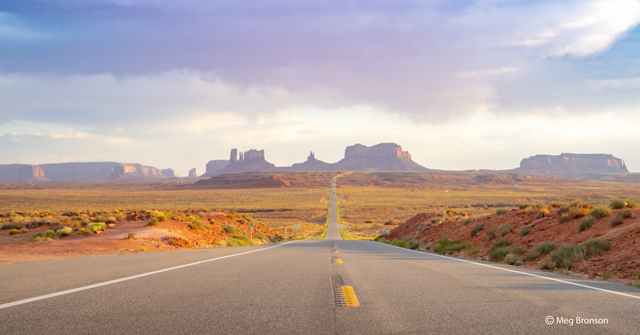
<point x="295" y="288"/>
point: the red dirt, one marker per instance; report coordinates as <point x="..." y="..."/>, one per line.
<point x="622" y="260"/>
<point x="168" y="235"/>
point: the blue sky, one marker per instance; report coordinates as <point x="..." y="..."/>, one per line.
<point x="460" y="84"/>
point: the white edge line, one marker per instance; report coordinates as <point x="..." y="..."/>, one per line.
<point x="88" y="287"/>
<point x="520" y="272"/>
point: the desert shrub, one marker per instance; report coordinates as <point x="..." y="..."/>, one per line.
<point x="449" y="246"/>
<point x="540" y="250"/>
<point x="576" y="203"/>
<point x="96" y="226"/>
<point x="632" y="204"/>
<point x="469" y="220"/>
<point x="414" y="245"/>
<point x="500" y="244"/>
<point x="49" y="233"/>
<point x="14" y="232"/>
<point x="400" y="243"/>
<point x="563" y="218"/>
<point x="562" y="210"/>
<point x="242" y="221"/>
<point x="504" y="229"/>
<point x="111" y="219"/>
<point x="368" y="221"/>
<point x="547" y="265"/>
<point x="511" y="258"/>
<point x="153" y="222"/>
<point x="391" y="222"/>
<point x="585" y="224"/>
<point x="491" y="233"/>
<point x="618" y="204"/>
<point x="263" y="237"/>
<point x="524" y="230"/>
<point x="238" y="241"/>
<point x="516" y="250"/>
<point x="37" y="235"/>
<point x="636" y="283"/>
<point x="64" y="231"/>
<point x="502" y="211"/>
<point x="476" y="229"/>
<point x="84" y="222"/>
<point x="498" y="254"/>
<point x="229" y="229"/>
<point x="626" y="214"/>
<point x="617" y="220"/>
<point x="542" y="213"/>
<point x="199" y="225"/>
<point x="231" y="217"/>
<point x="600" y="212"/>
<point x="567" y="254"/>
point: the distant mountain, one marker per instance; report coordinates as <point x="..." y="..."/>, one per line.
<point x="569" y="165"/>
<point x="79" y="171"/>
<point x="381" y="157"/>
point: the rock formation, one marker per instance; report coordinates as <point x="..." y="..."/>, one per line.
<point x="80" y="171"/>
<point x="312" y="164"/>
<point x="252" y="160"/>
<point x="31" y="173"/>
<point x="380" y="157"/>
<point x="192" y="173"/>
<point x="9" y="172"/>
<point x="215" y="166"/>
<point x="571" y="164"/>
<point x="168" y="173"/>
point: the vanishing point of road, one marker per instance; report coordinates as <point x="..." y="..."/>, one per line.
<point x="329" y="286"/>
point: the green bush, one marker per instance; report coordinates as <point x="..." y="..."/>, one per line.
<point x="391" y="222"/>
<point x="96" y="226"/>
<point x="64" y="231"/>
<point x="619" y="204"/>
<point x="468" y="220"/>
<point x="231" y="217"/>
<point x="414" y="245"/>
<point x="368" y="221"/>
<point x="567" y="254"/>
<point x="540" y="250"/>
<point x="449" y="246"/>
<point x="14" y="232"/>
<point x="502" y="211"/>
<point x="542" y="213"/>
<point x="617" y="220"/>
<point x="562" y="210"/>
<point x="504" y="229"/>
<point x="516" y="250"/>
<point x="585" y="224"/>
<point x="49" y="234"/>
<point x="37" y="235"/>
<point x="476" y="229"/>
<point x="111" y="219"/>
<point x="524" y="230"/>
<point x="153" y="222"/>
<point x="400" y="243"/>
<point x="199" y="225"/>
<point x="576" y="203"/>
<point x="511" y="258"/>
<point x="491" y="233"/>
<point x="498" y="254"/>
<point x="229" y="229"/>
<point x="600" y="212"/>
<point x="131" y="236"/>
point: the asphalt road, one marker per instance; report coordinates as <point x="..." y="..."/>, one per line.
<point x="291" y="288"/>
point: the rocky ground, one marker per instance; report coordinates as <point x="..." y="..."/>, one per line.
<point x="620" y="264"/>
<point x="130" y="236"/>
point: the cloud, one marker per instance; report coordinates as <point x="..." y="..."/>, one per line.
<point x="117" y="61"/>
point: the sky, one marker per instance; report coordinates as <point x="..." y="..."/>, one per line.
<point x="459" y="84"/>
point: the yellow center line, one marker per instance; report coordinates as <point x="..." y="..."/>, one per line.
<point x="350" y="296"/>
<point x="339" y="261"/>
<point x="336" y="251"/>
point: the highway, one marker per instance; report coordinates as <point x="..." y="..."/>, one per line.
<point x="298" y="288"/>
